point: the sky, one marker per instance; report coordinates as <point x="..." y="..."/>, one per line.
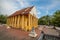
<point x="43" y="7"/>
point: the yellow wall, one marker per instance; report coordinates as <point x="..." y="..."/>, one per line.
<point x="25" y="22"/>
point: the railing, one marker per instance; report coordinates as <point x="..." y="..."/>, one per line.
<point x="41" y="36"/>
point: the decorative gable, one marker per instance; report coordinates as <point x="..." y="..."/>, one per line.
<point x="33" y="11"/>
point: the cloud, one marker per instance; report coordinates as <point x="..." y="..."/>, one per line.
<point x="10" y="6"/>
<point x="23" y="3"/>
<point x="47" y="12"/>
<point x="52" y="5"/>
<point x="6" y="7"/>
<point x="38" y="14"/>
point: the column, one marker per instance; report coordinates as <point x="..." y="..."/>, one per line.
<point x="15" y="22"/>
<point x="32" y="21"/>
<point x="22" y="21"/>
<point x="12" y="21"/>
<point x="35" y="22"/>
<point x="7" y="21"/>
<point x="18" y="21"/>
<point x="29" y="19"/>
<point x="25" y="22"/>
<point x="10" y="24"/>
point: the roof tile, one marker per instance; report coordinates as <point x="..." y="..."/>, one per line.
<point x="23" y="11"/>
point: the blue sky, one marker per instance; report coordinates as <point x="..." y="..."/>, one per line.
<point x="43" y="7"/>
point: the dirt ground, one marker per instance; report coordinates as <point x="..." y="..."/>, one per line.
<point x="16" y="34"/>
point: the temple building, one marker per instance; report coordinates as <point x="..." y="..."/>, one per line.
<point x="23" y="19"/>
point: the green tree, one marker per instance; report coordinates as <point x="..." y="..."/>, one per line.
<point x="44" y="20"/>
<point x="3" y="18"/>
<point x="50" y="19"/>
<point x="56" y="18"/>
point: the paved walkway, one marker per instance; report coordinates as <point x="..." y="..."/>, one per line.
<point x="16" y="34"/>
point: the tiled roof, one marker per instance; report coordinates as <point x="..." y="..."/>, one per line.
<point x="50" y="31"/>
<point x="22" y="11"/>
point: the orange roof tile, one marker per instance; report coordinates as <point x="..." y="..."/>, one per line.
<point x="23" y="11"/>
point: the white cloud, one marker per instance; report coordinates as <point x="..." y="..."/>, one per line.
<point x="48" y="7"/>
<point x="38" y="14"/>
<point x="23" y="3"/>
<point x="53" y="4"/>
<point x="6" y="7"/>
<point x="41" y="7"/>
<point x="10" y="6"/>
<point x="47" y="12"/>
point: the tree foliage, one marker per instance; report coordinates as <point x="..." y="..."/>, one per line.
<point x="3" y="18"/>
<point x="56" y="18"/>
<point x="44" y="20"/>
<point x="50" y="19"/>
